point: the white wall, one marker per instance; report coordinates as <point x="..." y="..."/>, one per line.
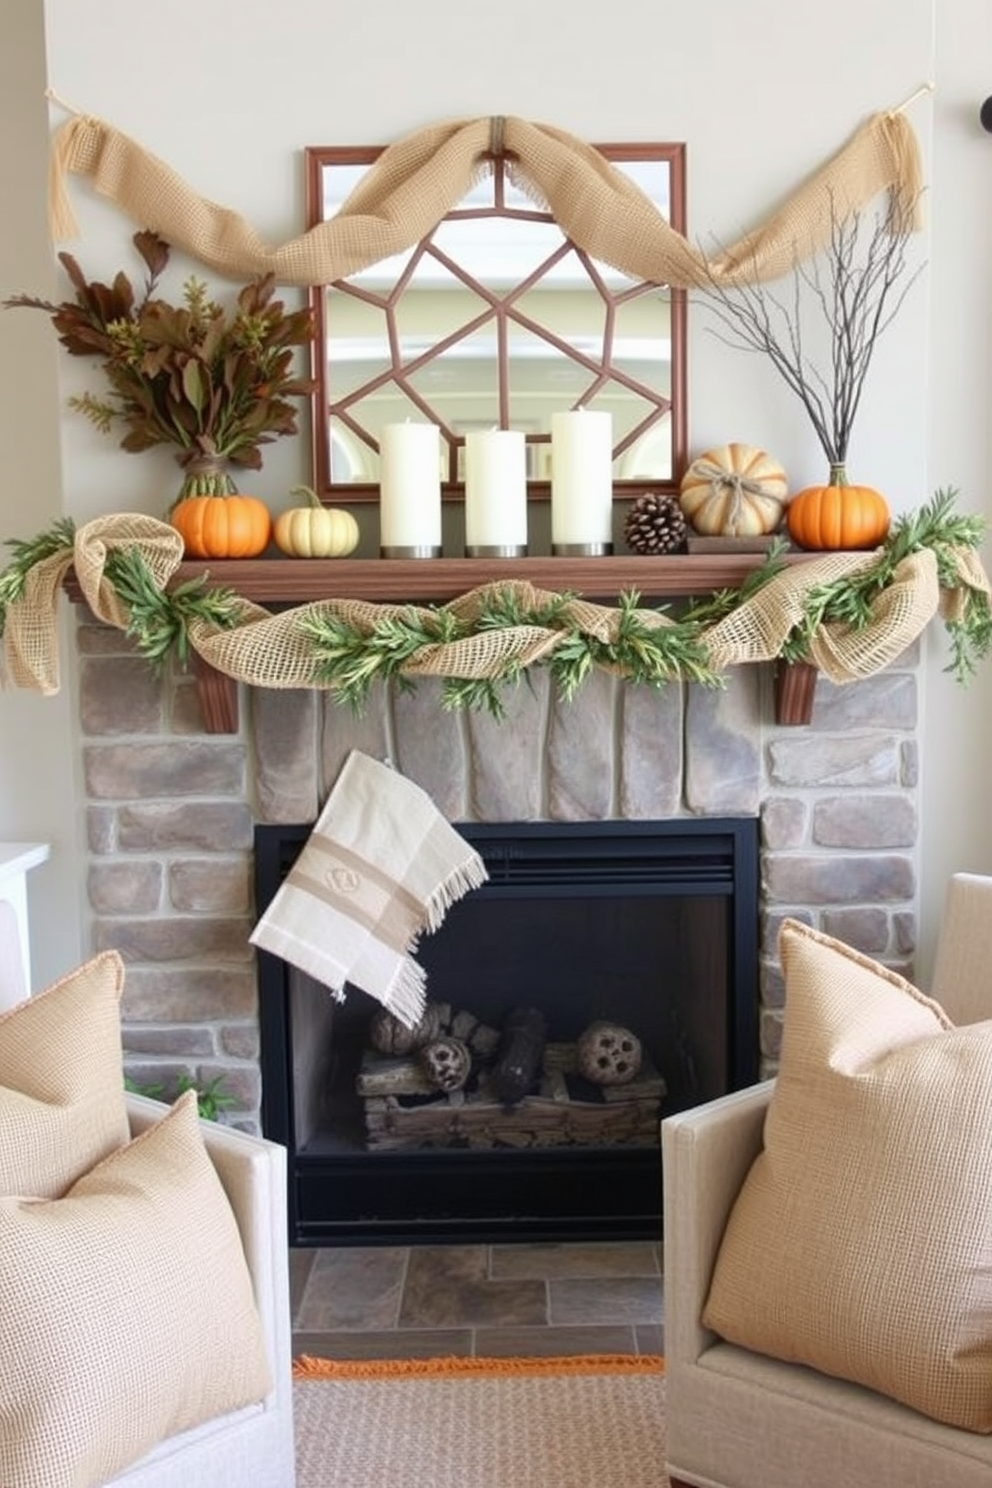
<point x="763" y="93"/>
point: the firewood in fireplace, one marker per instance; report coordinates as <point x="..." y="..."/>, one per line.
<point x="390" y="1036"/>
<point x="518" y="1059"/>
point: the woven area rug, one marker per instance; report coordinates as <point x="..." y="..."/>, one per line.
<point x="593" y="1421"/>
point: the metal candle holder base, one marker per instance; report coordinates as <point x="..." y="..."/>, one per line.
<point x="496" y="550"/>
<point x="582" y="550"/>
<point x="412" y="552"/>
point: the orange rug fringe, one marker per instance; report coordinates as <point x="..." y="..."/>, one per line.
<point x="305" y="1367"/>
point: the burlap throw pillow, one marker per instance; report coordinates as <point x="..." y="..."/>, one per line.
<point x="62" y="1081"/>
<point x="861" y="1240"/>
<point x="127" y="1312"/>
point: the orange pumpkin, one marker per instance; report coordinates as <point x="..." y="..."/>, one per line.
<point x="837" y="516"/>
<point x="222" y="526"/>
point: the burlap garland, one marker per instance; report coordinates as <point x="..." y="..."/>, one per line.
<point x="418" y="179"/>
<point x="277" y="650"/>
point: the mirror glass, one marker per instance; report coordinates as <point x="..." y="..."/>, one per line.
<point x="497" y="320"/>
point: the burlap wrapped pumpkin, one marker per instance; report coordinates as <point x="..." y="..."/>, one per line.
<point x="734" y="490"/>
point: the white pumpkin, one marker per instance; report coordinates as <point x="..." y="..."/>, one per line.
<point x="315" y="531"/>
<point x="734" y="490"/>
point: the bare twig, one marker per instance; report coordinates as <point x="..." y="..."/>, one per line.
<point x="856" y="288"/>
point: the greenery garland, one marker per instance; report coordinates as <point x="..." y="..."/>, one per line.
<point x="350" y="656"/>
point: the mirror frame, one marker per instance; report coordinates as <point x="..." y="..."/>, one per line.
<point x="318" y="157"/>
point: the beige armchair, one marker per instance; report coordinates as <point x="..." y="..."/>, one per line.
<point x="737" y="1419"/>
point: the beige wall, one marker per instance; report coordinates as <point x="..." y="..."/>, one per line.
<point x="761" y="93"/>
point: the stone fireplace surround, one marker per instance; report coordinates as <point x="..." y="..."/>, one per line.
<point x="170" y="813"/>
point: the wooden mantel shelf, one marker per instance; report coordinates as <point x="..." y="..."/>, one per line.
<point x="286" y="582"/>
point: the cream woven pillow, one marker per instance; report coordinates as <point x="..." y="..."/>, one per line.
<point x="861" y="1240"/>
<point x="127" y="1312"/>
<point x="62" y="1104"/>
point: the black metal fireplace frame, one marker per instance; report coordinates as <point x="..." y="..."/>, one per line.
<point x="544" y="1195"/>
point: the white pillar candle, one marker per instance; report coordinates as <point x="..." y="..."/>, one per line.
<point x="582" y="480"/>
<point x="410" y="489"/>
<point x="495" y="491"/>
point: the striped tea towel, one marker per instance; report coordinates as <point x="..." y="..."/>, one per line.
<point x="380" y="866"/>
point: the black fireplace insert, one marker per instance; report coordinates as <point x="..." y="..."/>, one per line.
<point x="646" y="930"/>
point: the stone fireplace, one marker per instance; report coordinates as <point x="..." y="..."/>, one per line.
<point x="171" y="812"/>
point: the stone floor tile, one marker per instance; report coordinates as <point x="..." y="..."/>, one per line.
<point x="300" y="1263"/>
<point x="529" y="1343"/>
<point x="449" y="1286"/>
<point x="582" y="1300"/>
<point x="612" y="1260"/>
<point x="649" y="1338"/>
<point x="353" y="1288"/>
<point x="409" y="1343"/>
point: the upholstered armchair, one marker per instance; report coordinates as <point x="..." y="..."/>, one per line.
<point x="249" y="1445"/>
<point x="743" y="1419"/>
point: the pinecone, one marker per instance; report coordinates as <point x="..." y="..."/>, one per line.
<point x="655" y="524"/>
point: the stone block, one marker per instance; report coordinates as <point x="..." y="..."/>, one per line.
<point x="866" y="821"/>
<point x="194" y="826"/>
<point x="722" y="757"/>
<point x="804" y="759"/>
<point x="784" y="822"/>
<point x="506" y="757"/>
<point x="904" y="933"/>
<point x="175" y="938"/>
<point x="886" y="701"/>
<point x="170" y="769"/>
<point x="650" y="751"/>
<point x="283" y="731"/>
<point x="192" y="994"/>
<point x="581" y="751"/>
<point x="178" y="1039"/>
<point x="429" y="748"/>
<point x="342" y="730"/>
<point x="771" y="922"/>
<point x="93" y="638"/>
<point x="240" y="1040"/>
<point x="242" y="1082"/>
<point x="829" y="878"/>
<point x="210" y="886"/>
<point x="125" y="888"/>
<point x="863" y="927"/>
<point x="101" y="829"/>
<point x="185" y="706"/>
<point x="119" y="695"/>
<point x="909" y="763"/>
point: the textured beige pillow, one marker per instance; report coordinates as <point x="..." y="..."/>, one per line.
<point x="127" y="1312"/>
<point x="861" y="1240"/>
<point x="62" y="1104"/>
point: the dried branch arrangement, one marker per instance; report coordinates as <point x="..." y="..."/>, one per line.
<point x="855" y="289"/>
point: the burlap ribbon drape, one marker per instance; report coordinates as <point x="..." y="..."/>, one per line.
<point x="420" y="177"/>
<point x="276" y="650"/>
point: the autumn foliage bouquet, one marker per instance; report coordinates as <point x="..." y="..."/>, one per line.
<point x="216" y="384"/>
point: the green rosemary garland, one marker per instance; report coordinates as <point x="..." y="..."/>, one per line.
<point x="349" y="657"/>
<point x="59" y="538"/>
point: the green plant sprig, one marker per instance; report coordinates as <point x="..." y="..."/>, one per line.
<point x="849" y="600"/>
<point x="59" y="538"/>
<point x="159" y="620"/>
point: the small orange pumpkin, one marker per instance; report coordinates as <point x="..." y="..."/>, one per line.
<point x="837" y="516"/>
<point x="222" y="526"/>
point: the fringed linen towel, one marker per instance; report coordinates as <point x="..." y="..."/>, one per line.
<point x="381" y="866"/>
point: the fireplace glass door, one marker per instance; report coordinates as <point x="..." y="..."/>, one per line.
<point x="604" y="976"/>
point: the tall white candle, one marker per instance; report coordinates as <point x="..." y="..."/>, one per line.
<point x="495" y="489"/>
<point x="581" y="479"/>
<point x="410" y="487"/>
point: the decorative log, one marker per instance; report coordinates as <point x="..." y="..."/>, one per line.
<point x="383" y="1076"/>
<point x="518" y="1061"/>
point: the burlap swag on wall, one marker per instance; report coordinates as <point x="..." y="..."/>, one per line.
<point x="417" y="180"/>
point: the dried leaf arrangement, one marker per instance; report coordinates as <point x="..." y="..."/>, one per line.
<point x="216" y="384"/>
